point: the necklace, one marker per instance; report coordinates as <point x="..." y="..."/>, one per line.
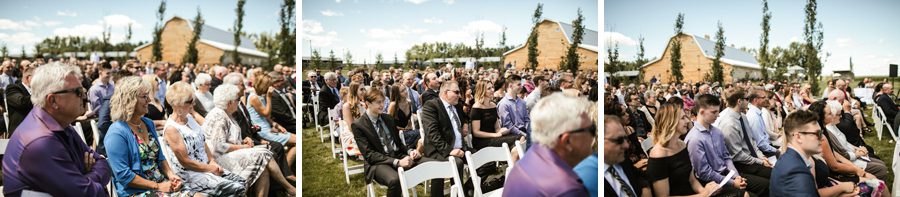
<point x="138" y="126"/>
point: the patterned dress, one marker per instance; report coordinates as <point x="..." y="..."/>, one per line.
<point x="229" y="184"/>
<point x="151" y="171"/>
<point x="223" y="132"/>
<point x="265" y="129"/>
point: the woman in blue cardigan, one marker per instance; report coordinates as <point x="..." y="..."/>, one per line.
<point x="137" y="162"/>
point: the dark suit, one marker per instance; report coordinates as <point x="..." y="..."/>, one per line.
<point x="18" y="100"/>
<point x="379" y="164"/>
<point x="308" y="88"/>
<point x="890" y="110"/>
<point x="634" y="178"/>
<point x="429" y="94"/>
<point x="327" y="99"/>
<point x="439" y="136"/>
<point x="282" y="112"/>
<point x="791" y="177"/>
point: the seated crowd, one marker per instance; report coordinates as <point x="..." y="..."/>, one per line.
<point x="162" y="129"/>
<point x="465" y="110"/>
<point x="758" y="139"/>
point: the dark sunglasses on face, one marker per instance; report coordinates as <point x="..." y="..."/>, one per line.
<point x="590" y="129"/>
<point x="819" y="134"/>
<point x="618" y="140"/>
<point x="79" y="91"/>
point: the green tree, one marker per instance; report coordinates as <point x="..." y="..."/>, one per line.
<point x="813" y="35"/>
<point x="572" y="58"/>
<point x="157" y="32"/>
<point x="717" y="74"/>
<point x="269" y="44"/>
<point x="23" y="53"/>
<point x="533" y="37"/>
<point x="640" y="60"/>
<point x="676" y="49"/>
<point x="316" y="60"/>
<point x="763" y="56"/>
<point x="378" y="60"/>
<point x="395" y="61"/>
<point x="4" y="51"/>
<point x="612" y="64"/>
<point x="348" y="59"/>
<point x="288" y="36"/>
<point x="332" y="61"/>
<point x="192" y="54"/>
<point x="238" y="25"/>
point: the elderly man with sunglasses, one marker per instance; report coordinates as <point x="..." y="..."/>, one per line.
<point x="564" y="135"/>
<point x="47" y="156"/>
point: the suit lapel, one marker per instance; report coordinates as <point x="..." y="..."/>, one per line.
<point x="368" y="125"/>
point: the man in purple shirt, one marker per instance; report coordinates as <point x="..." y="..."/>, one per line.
<point x="102" y="89"/>
<point x="512" y="111"/>
<point x="709" y="153"/>
<point x="46" y="155"/>
<point x="564" y="135"/>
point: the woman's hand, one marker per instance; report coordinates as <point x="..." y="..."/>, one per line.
<point x="165" y="186"/>
<point x="503" y="131"/>
<point x="176" y="182"/>
<point x="215" y="169"/>
<point x="271" y="90"/>
<point x="248" y="141"/>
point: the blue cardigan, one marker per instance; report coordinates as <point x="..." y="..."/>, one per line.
<point x="124" y="157"/>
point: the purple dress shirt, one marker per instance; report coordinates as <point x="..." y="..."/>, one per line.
<point x="542" y="173"/>
<point x="513" y="115"/>
<point x="44" y="157"/>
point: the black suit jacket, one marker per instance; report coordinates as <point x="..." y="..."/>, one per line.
<point x="242" y="117"/>
<point x="439" y="137"/>
<point x="19" y="102"/>
<point x="327" y="99"/>
<point x="888" y="106"/>
<point x="634" y="178"/>
<point x="307" y="90"/>
<point x="371" y="146"/>
<point x="429" y="95"/>
<point x="282" y="114"/>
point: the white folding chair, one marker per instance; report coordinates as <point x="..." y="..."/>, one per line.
<point x="349" y="170"/>
<point x="332" y="116"/>
<point x="895" y="165"/>
<point x="427" y="171"/>
<point x="80" y="132"/>
<point x="96" y="133"/>
<point x="484" y="156"/>
<point x="521" y="149"/>
<point x="876" y="118"/>
<point x="886" y="123"/>
<point x="316" y="122"/>
<point x="3" y="144"/>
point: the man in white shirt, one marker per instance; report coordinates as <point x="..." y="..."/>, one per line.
<point x="758" y="132"/>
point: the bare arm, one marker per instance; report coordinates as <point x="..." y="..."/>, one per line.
<point x="176" y="143"/>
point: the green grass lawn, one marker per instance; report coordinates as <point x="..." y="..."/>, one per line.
<point x="324" y="175"/>
<point x="883" y="148"/>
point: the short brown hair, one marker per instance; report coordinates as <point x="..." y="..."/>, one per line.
<point x="796" y="120"/>
<point x="374" y="94"/>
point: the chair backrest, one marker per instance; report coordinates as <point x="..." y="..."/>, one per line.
<point x="427" y="171"/>
<point x="96" y="133"/>
<point x="80" y="132"/>
<point x="484" y="156"/>
<point x="885" y="119"/>
<point x="521" y="149"/>
<point x="5" y="142"/>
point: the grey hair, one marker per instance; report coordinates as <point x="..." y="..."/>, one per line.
<point x="834" y="106"/>
<point x="556" y="114"/>
<point x="50" y="78"/>
<point x="330" y="75"/>
<point x="202" y="78"/>
<point x="233" y="79"/>
<point x="223" y="94"/>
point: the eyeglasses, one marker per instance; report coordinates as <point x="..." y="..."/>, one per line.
<point x="618" y="140"/>
<point x="590" y="129"/>
<point x="79" y="91"/>
<point x="818" y="134"/>
<point x="454" y="91"/>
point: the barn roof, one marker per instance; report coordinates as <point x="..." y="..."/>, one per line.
<point x="589" y="40"/>
<point x="733" y="56"/>
<point x="220" y="39"/>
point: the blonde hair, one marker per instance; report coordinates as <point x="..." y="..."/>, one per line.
<point x="124" y="100"/>
<point x="666" y="122"/>
<point x="353" y="98"/>
<point x="481" y="90"/>
<point x="179" y="93"/>
<point x="261" y="83"/>
<point x="151" y="80"/>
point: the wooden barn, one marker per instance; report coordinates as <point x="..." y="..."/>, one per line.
<point x="554" y="39"/>
<point x="697" y="55"/>
<point x="214" y="47"/>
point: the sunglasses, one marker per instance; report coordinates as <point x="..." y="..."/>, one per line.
<point x="618" y="140"/>
<point x="79" y="91"/>
<point x="818" y="134"/>
<point x="454" y="91"/>
<point x="590" y="129"/>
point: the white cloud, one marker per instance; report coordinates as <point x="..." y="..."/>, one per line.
<point x="118" y="20"/>
<point x="449" y="2"/>
<point x="322" y="40"/>
<point x="337" y="1"/>
<point x="83" y="30"/>
<point x="616" y="37"/>
<point x="7" y="24"/>
<point x="51" y="23"/>
<point x="881" y="41"/>
<point x="329" y="12"/>
<point x="416" y="1"/>
<point x="794" y="39"/>
<point x="20" y="38"/>
<point x="67" y="13"/>
<point x="433" y="21"/>
<point x="311" y="26"/>
<point x="485" y="26"/>
<point x="419" y="30"/>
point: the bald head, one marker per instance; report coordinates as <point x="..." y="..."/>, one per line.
<point x="836" y="95"/>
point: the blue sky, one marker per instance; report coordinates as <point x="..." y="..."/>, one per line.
<point x="24" y="23"/>
<point x="865" y="30"/>
<point x="393" y="26"/>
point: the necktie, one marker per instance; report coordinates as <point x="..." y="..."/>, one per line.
<point x="289" y="104"/>
<point x="385" y="139"/>
<point x="747" y="138"/>
<point x="623" y="187"/>
<point x="335" y="92"/>
<point x="456" y="118"/>
<point x="415" y="102"/>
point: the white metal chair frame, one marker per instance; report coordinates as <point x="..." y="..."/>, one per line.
<point x="484" y="156"/>
<point x="430" y="170"/>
